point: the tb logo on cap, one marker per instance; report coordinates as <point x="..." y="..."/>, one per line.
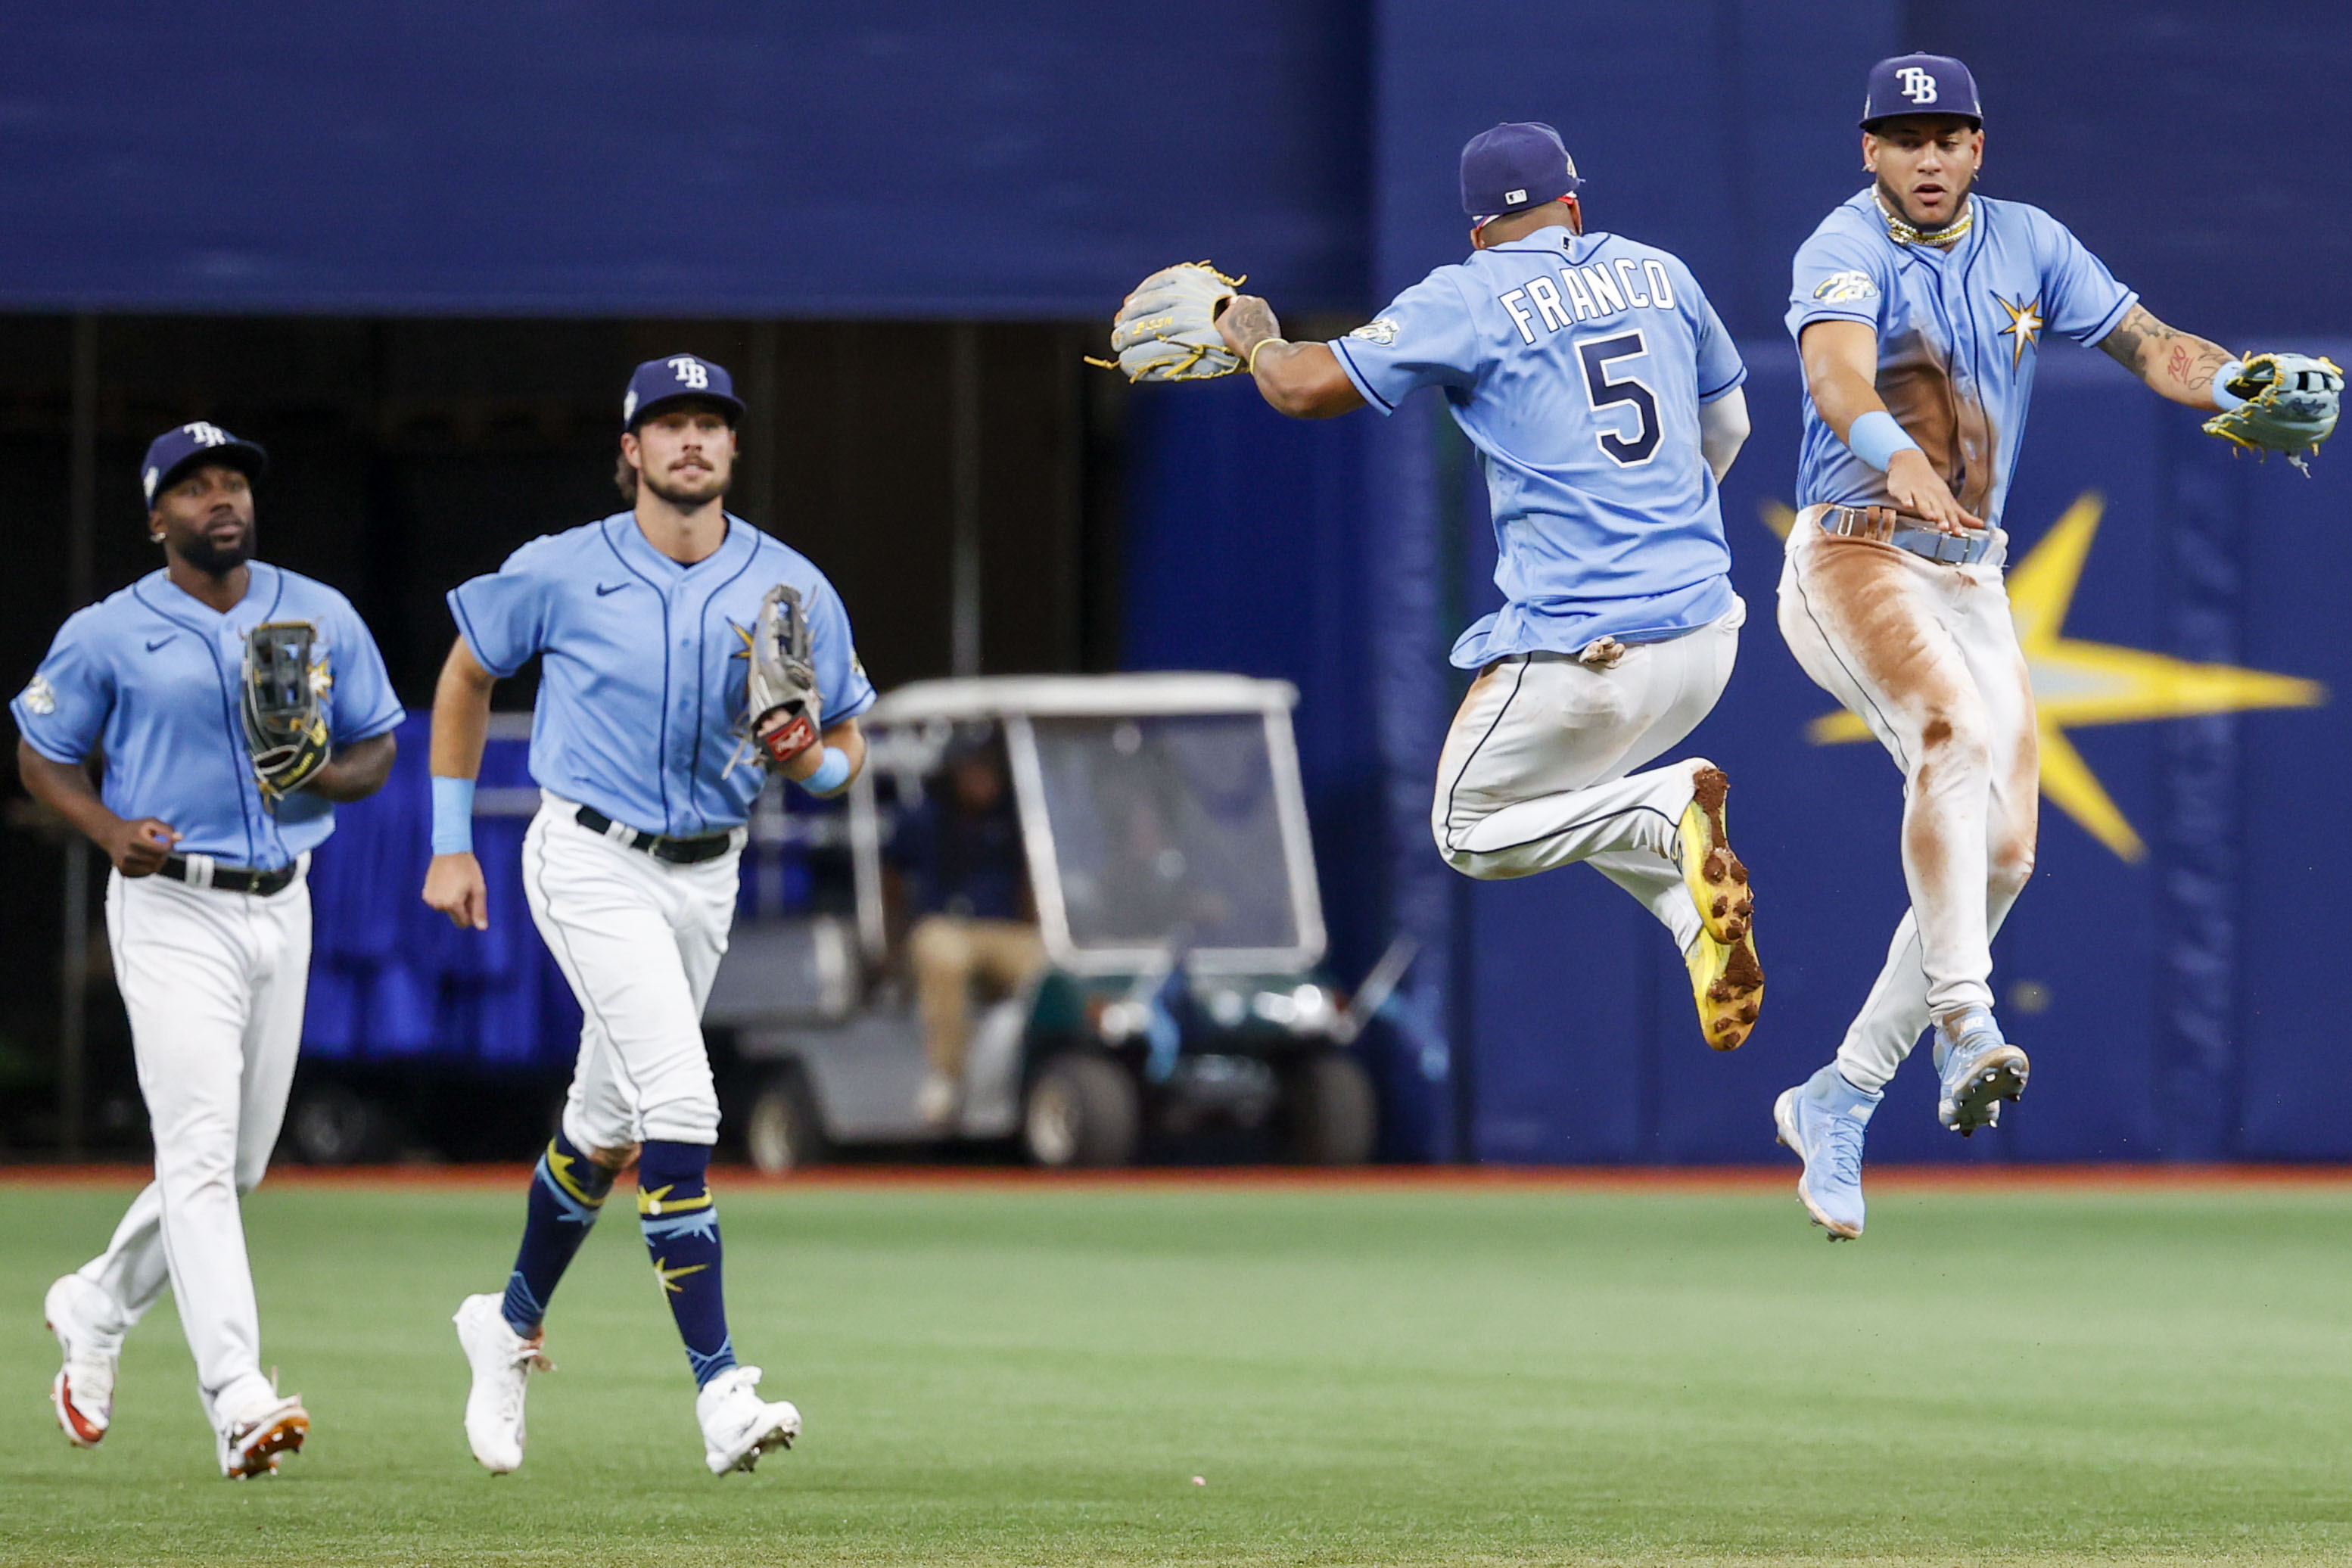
<point x="204" y="435"/>
<point x="1918" y="84"/>
<point x="693" y="373"/>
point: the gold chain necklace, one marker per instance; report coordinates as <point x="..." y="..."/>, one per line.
<point x="1904" y="232"/>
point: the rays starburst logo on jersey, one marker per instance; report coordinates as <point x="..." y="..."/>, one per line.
<point x="2078" y="683"/>
<point x="2025" y="324"/>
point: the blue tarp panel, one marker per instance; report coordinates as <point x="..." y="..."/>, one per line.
<point x="392" y="979"/>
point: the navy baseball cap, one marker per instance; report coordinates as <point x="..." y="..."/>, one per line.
<point x="658" y="382"/>
<point x="1920" y="84"/>
<point x="175" y="451"/>
<point x="1517" y="165"/>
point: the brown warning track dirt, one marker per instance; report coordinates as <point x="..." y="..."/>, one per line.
<point x="1246" y="1178"/>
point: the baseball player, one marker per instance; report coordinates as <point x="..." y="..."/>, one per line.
<point x="207" y="909"/>
<point x="685" y="653"/>
<point x="1602" y="395"/>
<point x="1919" y="309"/>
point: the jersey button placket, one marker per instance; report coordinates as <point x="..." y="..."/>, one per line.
<point x="689" y="679"/>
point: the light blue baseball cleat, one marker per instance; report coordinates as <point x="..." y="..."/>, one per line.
<point x="1822" y="1119"/>
<point x="1979" y="1070"/>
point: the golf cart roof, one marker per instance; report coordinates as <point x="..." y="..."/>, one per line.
<point x="1081" y="696"/>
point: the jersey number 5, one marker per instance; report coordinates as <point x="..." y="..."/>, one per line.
<point x="1603" y="389"/>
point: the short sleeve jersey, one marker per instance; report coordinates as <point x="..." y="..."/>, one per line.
<point x="152" y="679"/>
<point x="1576" y="365"/>
<point x="642" y="693"/>
<point x="1957" y="335"/>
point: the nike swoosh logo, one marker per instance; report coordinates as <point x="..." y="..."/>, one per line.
<point x="159" y="642"/>
<point x="601" y="590"/>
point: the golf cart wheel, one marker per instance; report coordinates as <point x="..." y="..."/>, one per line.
<point x="1330" y="1115"/>
<point x="1081" y="1109"/>
<point x="781" y="1131"/>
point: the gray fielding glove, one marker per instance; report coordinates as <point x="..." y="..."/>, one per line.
<point x="2291" y="405"/>
<point x="1167" y="329"/>
<point x="285" y="719"/>
<point x="786" y="713"/>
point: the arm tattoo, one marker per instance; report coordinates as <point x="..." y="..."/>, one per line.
<point x="2123" y="345"/>
<point x="1249" y="321"/>
<point x="2164" y="356"/>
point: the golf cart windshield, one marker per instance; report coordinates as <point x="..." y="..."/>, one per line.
<point x="1166" y="829"/>
<point x="1160" y="815"/>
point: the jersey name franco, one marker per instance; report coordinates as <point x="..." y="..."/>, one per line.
<point x="1576" y="365"/>
<point x="153" y="677"/>
<point x="1957" y="335"/>
<point x="641" y="690"/>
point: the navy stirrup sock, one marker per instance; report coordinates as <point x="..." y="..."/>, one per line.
<point x="681" y="1225"/>
<point x="566" y="1191"/>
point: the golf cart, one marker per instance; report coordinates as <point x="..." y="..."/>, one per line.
<point x="1165" y="835"/>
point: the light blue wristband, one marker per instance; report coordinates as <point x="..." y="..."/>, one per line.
<point x="2224" y="398"/>
<point x="1875" y="437"/>
<point x="831" y="773"/>
<point x="452" y="815"/>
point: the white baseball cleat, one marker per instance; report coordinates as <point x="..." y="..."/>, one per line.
<point x="1979" y="1069"/>
<point x="737" y="1425"/>
<point x="503" y="1362"/>
<point x="83" y="1394"/>
<point x="250" y="1445"/>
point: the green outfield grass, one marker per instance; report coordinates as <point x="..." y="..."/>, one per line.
<point x="1035" y="1374"/>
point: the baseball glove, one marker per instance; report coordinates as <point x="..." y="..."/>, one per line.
<point x="782" y="705"/>
<point x="284" y="710"/>
<point x="1167" y="329"/>
<point x="2291" y="405"/>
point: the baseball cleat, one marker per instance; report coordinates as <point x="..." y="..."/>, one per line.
<point x="503" y="1362"/>
<point x="737" y="1425"/>
<point x="1979" y="1070"/>
<point x="1717" y="879"/>
<point x="83" y="1394"/>
<point x="1823" y="1121"/>
<point x="251" y="1446"/>
<point x="1727" y="982"/>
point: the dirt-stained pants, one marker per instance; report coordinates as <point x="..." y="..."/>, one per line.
<point x="1926" y="657"/>
<point x="950" y="954"/>
<point x="1537" y="770"/>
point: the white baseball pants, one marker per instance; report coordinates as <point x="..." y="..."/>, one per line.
<point x="1537" y="770"/>
<point x="1927" y="656"/>
<point x="639" y="939"/>
<point x="214" y="983"/>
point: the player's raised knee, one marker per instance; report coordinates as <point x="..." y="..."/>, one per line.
<point x="2010" y="869"/>
<point x="1955" y="740"/>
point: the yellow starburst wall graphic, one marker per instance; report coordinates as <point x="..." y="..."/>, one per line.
<point x="2077" y="683"/>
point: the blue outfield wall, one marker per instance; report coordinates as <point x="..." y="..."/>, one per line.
<point x="2166" y="976"/>
<point x="1033" y="158"/>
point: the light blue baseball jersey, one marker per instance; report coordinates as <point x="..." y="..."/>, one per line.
<point x="153" y="679"/>
<point x="1957" y="335"/>
<point x="641" y="692"/>
<point x="1576" y="364"/>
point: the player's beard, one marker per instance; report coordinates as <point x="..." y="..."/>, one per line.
<point x="1896" y="205"/>
<point x="686" y="499"/>
<point x="217" y="561"/>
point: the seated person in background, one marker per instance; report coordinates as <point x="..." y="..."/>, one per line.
<point x="958" y="869"/>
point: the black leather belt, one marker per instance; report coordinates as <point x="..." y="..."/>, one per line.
<point x="230" y="879"/>
<point x="1915" y="534"/>
<point x="676" y="851"/>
